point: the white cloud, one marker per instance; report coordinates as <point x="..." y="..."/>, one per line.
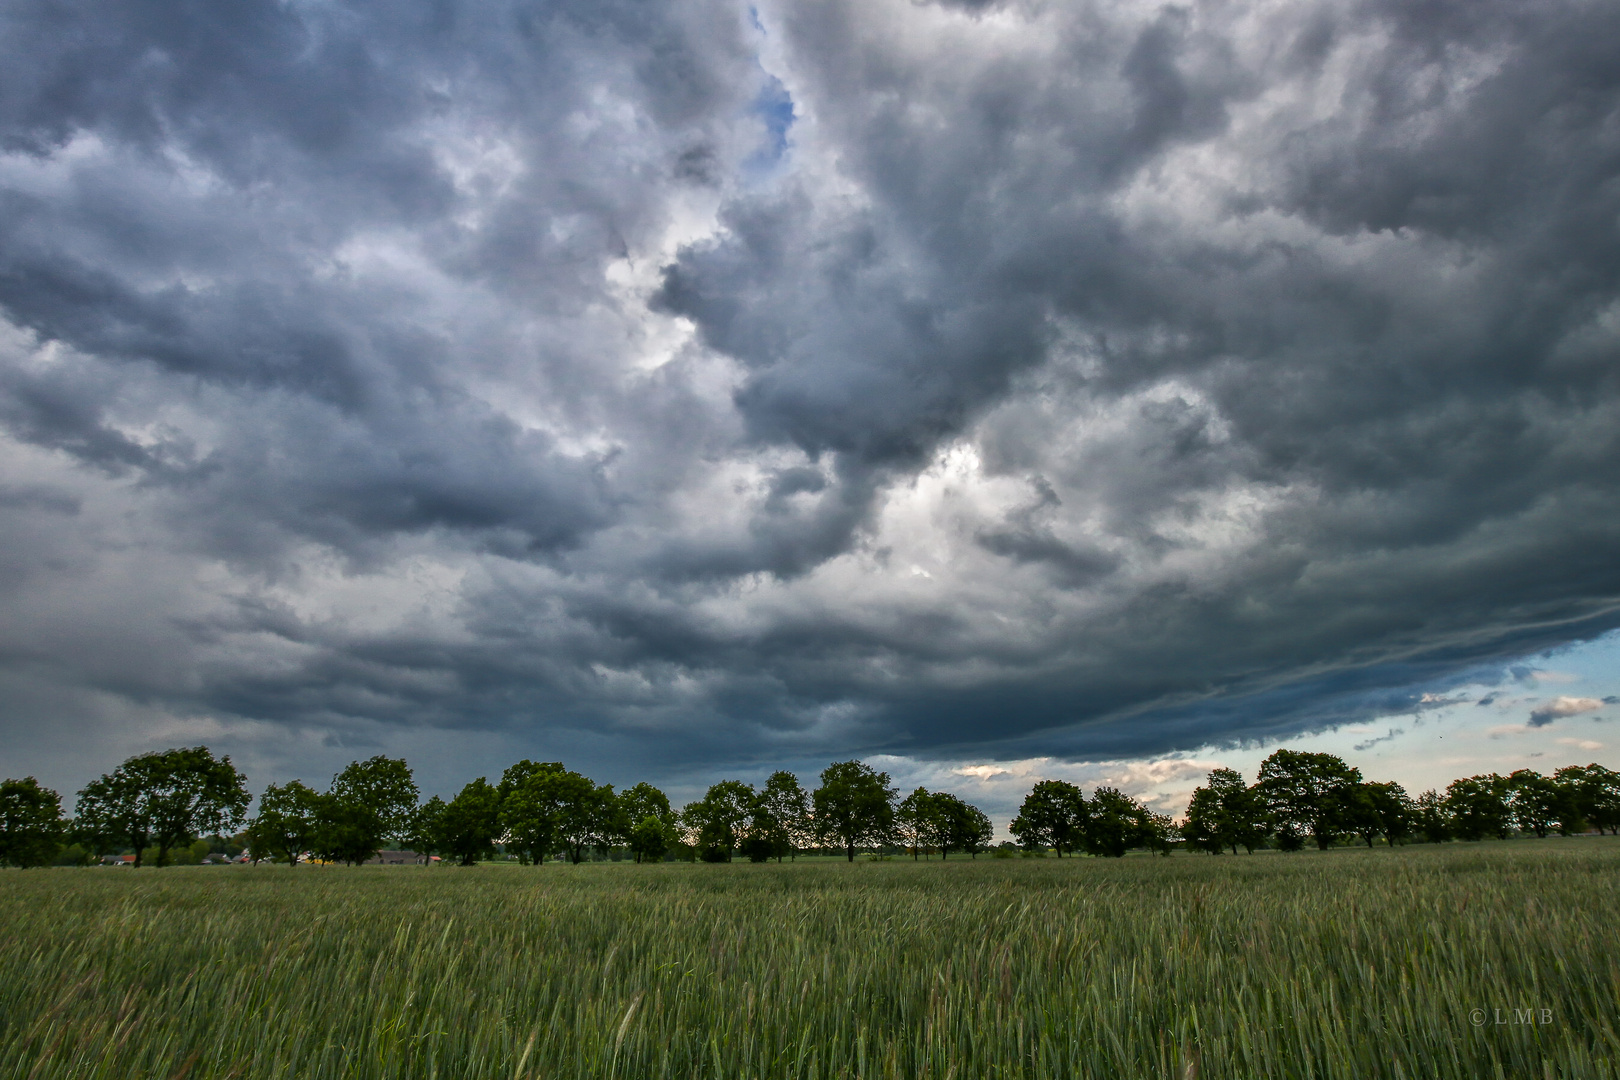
<point x="1541" y="675"/>
<point x="1503" y="731"/>
<point x="1562" y="706"/>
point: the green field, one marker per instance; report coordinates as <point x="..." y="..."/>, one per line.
<point x="1350" y="963"/>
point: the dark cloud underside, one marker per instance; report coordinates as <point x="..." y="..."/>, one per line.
<point x="701" y="383"/>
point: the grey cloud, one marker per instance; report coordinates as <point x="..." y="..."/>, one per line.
<point x="38" y="497"/>
<point x="1028" y="537"/>
<point x="1386" y="737"/>
<point x="1084" y="380"/>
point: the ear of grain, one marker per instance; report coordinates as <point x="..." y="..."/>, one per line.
<point x="1338" y="964"/>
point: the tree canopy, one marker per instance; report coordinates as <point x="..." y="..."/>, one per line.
<point x="1053" y="816"/>
<point x="470" y="824"/>
<point x="31" y="825"/>
<point x="1309" y="793"/>
<point x="288" y="823"/>
<point x="163" y="800"/>
<point x="785" y="805"/>
<point x="369" y="804"/>
<point x="159" y="804"/>
<point x="1597" y="794"/>
<point x="717" y="824"/>
<point x="854" y="806"/>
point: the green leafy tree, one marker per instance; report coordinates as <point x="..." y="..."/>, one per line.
<point x="650" y="839"/>
<point x="31" y="825"/>
<point x="967" y="827"/>
<point x="1202" y="830"/>
<point x="947" y="821"/>
<point x="1116" y="823"/>
<point x="348" y="832"/>
<point x="471" y="823"/>
<point x="1597" y="794"/>
<point x="371" y="803"/>
<point x="1224" y="814"/>
<point x="636" y="805"/>
<point x="1540" y="804"/>
<point x="75" y="855"/>
<point x="767" y="835"/>
<point x="1386" y="810"/>
<point x="545" y="807"/>
<point x="531" y="811"/>
<point x="1053" y="815"/>
<point x="914" y="821"/>
<point x="588" y="813"/>
<point x="385" y="787"/>
<point x="1478" y="807"/>
<point x="287" y="824"/>
<point x="951" y="823"/>
<point x="1244" y="820"/>
<point x="1310" y="792"/>
<point x="854" y="806"/>
<point x="1431" y="817"/>
<point x="426" y="835"/>
<point x="643" y="800"/>
<point x="1158" y="832"/>
<point x="788" y="805"/>
<point x="1357" y="816"/>
<point x="161" y="801"/>
<point x="718" y="823"/>
<point x="191" y="854"/>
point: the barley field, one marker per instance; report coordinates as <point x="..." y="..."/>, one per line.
<point x="1467" y="961"/>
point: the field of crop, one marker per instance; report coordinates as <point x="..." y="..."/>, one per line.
<point x="1466" y="961"/>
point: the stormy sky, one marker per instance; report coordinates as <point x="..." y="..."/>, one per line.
<point x="685" y="388"/>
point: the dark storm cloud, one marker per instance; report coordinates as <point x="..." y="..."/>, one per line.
<point x="709" y="384"/>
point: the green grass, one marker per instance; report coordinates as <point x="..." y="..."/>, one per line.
<point x="1345" y="964"/>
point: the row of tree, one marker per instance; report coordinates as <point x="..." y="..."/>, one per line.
<point x="1057" y="815"/>
<point x="157" y="803"/>
<point x="1301" y="795"/>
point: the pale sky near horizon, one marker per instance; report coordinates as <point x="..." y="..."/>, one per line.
<point x="1487" y="726"/>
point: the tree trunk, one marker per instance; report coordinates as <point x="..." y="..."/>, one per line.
<point x="849" y="850"/>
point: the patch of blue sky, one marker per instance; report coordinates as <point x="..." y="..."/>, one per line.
<point x="1541" y="712"/>
<point x="773" y="107"/>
